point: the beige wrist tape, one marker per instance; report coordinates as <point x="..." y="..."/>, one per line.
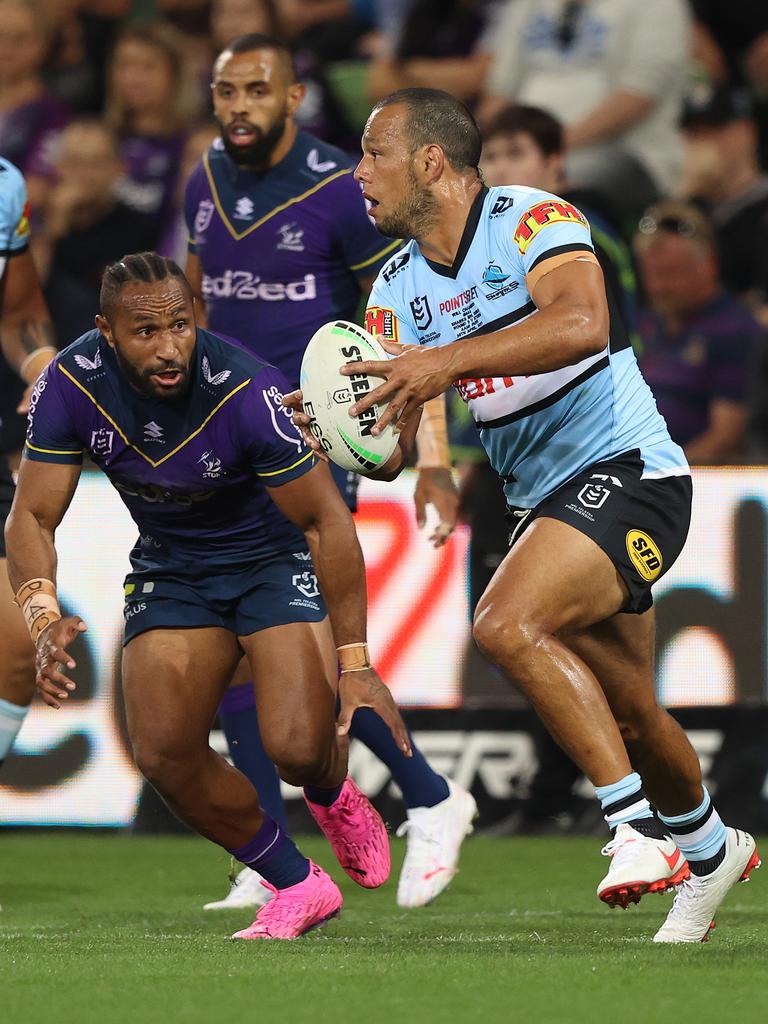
<point x="432" y="436"/>
<point x="37" y="600"/>
<point x="35" y="363"/>
<point x="354" y="657"/>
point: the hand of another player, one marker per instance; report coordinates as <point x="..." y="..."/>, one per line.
<point x="52" y="655"/>
<point x="414" y="376"/>
<point x="294" y="401"/>
<point x="435" y="486"/>
<point x="364" y="689"/>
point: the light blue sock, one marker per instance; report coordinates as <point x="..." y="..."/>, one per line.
<point x="11" y="719"/>
<point x="700" y="834"/>
<point x="623" y="801"/>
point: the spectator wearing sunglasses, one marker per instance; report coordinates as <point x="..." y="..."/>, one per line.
<point x="699" y="338"/>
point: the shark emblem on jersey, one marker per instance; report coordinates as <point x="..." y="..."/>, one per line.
<point x="214" y="378"/>
<point x="314" y="163"/>
<point x="89" y="364"/>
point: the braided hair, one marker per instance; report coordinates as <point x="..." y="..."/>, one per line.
<point x="139" y="266"/>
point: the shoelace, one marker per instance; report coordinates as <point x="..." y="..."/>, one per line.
<point x="338" y="825"/>
<point x="623" y="851"/>
<point x="409" y="825"/>
<point x="685" y="894"/>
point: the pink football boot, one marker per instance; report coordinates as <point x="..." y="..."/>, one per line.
<point x="357" y="835"/>
<point x="296" y="910"/>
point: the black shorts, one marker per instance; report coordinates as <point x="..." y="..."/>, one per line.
<point x="7" y="490"/>
<point x="640" y="524"/>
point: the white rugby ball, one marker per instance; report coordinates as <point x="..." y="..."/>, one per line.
<point x="328" y="394"/>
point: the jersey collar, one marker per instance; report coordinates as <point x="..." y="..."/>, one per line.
<point x="467" y="238"/>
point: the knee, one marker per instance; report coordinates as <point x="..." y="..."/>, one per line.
<point x="504" y="637"/>
<point x="300" y="758"/>
<point x="168" y="770"/>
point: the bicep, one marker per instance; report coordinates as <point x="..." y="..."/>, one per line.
<point x="578" y="283"/>
<point x="45" y="490"/>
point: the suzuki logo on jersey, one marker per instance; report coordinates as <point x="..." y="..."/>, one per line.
<point x="153" y="432"/>
<point x="243" y="209"/>
<point x="241" y="284"/>
<point x="393" y="269"/>
<point x="553" y="211"/>
<point x="102" y="441"/>
<point x="382" y="323"/>
<point x="213" y="469"/>
<point x="502" y="204"/>
<point x="291" y="238"/>
<point x="314" y="163"/>
<point x="214" y="378"/>
<point x="203" y="215"/>
<point x="422" y="314"/>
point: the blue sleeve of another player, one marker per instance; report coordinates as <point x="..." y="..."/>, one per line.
<point x="276" y="450"/>
<point x="51" y="433"/>
<point x="549" y="228"/>
<point x="364" y="249"/>
<point x="14" y="211"/>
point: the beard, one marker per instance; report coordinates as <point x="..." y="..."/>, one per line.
<point x="142" y="382"/>
<point x="257" y="155"/>
<point x="414" y="216"/>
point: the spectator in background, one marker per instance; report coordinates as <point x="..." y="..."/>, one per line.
<point x="699" y="339"/>
<point x="151" y="103"/>
<point x="722" y="172"/>
<point x="615" y="72"/>
<point x="175" y="242"/>
<point x="30" y="116"/>
<point x="319" y="112"/>
<point x="87" y="225"/>
<point x="440" y="44"/>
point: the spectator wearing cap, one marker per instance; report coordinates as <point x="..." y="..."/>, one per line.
<point x="699" y="339"/>
<point x="723" y="174"/>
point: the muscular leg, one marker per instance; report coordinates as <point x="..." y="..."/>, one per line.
<point x="17" y="666"/>
<point x="620" y="653"/>
<point x="555" y="580"/>
<point x="173" y="681"/>
<point x="295" y="678"/>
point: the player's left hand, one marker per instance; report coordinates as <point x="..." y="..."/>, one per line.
<point x="294" y="401"/>
<point x="364" y="689"/>
<point x="435" y="487"/>
<point x="414" y="376"/>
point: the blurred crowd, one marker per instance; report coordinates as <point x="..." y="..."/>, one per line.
<point x="652" y="117"/>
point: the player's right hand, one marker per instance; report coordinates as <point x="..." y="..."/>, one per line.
<point x="294" y="401"/>
<point x="52" y="655"/>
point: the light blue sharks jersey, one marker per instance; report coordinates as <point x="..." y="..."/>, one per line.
<point x="541" y="430"/>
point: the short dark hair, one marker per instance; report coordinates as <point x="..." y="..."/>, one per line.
<point x="263" y="41"/>
<point x="139" y="266"/>
<point x="435" y="116"/>
<point x="544" y="129"/>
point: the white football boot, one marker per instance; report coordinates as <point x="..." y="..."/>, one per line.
<point x="639" y="865"/>
<point x="247" y="890"/>
<point x="435" y="835"/>
<point x="692" y="916"/>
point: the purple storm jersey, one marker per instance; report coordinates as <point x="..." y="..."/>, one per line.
<point x="193" y="473"/>
<point x="283" y="252"/>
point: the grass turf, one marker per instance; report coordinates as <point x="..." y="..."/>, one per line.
<point x="99" y="928"/>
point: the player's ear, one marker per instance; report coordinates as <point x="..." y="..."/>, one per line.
<point x="102" y="325"/>
<point x="432" y="163"/>
<point x="296" y="93"/>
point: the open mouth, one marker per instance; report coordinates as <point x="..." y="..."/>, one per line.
<point x="372" y="203"/>
<point x="168" y="378"/>
<point x="241" y="134"/>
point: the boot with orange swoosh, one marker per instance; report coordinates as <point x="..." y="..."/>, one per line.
<point x="639" y="865"/>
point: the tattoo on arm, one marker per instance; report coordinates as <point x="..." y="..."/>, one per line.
<point x="34" y="334"/>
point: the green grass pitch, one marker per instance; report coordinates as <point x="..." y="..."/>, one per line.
<point x="98" y="928"/>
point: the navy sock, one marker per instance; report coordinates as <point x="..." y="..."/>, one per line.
<point x="237" y="716"/>
<point x="324" y="797"/>
<point x="419" y="783"/>
<point x="274" y="855"/>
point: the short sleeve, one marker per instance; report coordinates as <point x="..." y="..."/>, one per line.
<point x="51" y="432"/>
<point x="385" y="317"/>
<point x="275" y="448"/>
<point x="548" y="233"/>
<point x="364" y="249"/>
<point x="14" y="211"/>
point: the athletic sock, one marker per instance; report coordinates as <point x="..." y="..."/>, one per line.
<point x="419" y="783"/>
<point x="274" y="855"/>
<point x="237" y="717"/>
<point x="321" y="796"/>
<point x="624" y="803"/>
<point x="11" y="719"/>
<point x="700" y="836"/>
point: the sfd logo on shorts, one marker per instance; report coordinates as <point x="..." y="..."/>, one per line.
<point x="644" y="554"/>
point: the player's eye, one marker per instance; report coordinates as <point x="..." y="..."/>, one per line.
<point x="180" y="325"/>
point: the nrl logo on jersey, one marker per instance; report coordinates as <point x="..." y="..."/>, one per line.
<point x="243" y="209"/>
<point x="204" y="215"/>
<point x="314" y="163"/>
<point x="291" y="238"/>
<point x="214" y="378"/>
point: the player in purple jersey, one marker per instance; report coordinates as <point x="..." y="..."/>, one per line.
<point x="191" y="432"/>
<point x="280" y="244"/>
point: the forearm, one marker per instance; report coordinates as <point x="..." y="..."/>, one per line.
<point x="340" y="570"/>
<point x="712" y="448"/>
<point x="432" y="436"/>
<point x="461" y="76"/>
<point x="30" y="547"/>
<point x="28" y="344"/>
<point x="616" y="114"/>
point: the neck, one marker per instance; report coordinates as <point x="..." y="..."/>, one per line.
<point x="440" y="243"/>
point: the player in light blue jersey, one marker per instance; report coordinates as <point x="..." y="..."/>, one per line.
<point x="501" y="295"/>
